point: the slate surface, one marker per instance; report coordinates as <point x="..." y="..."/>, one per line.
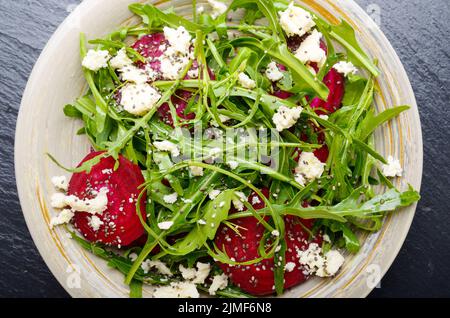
<point x="418" y="29"/>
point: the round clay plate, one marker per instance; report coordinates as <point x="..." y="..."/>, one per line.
<point x="42" y="128"/>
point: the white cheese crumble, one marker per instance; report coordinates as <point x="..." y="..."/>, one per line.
<point x="147" y="265"/>
<point x="187" y="273"/>
<point x="179" y="39"/>
<point x="138" y="99"/>
<point x="345" y="68"/>
<point x="60" y="183"/>
<point x="133" y="257"/>
<point x="255" y="200"/>
<point x="95" y="222"/>
<point x="289" y="267"/>
<point x="393" y="168"/>
<point x="239" y="201"/>
<point x="309" y="168"/>
<point x="133" y="74"/>
<point x="218" y="8"/>
<point x="245" y="81"/>
<point x="232" y="164"/>
<point x="200" y="9"/>
<point x="171" y="198"/>
<point x="214" y="194"/>
<point x="296" y="21"/>
<point x="120" y="60"/>
<point x="322" y="265"/>
<point x="201" y="222"/>
<point x="286" y="117"/>
<point x="196" y="171"/>
<point x="324" y="117"/>
<point x="177" y="290"/>
<point x="167" y="146"/>
<point x="203" y="270"/>
<point x="63" y="217"/>
<point x="96" y="60"/>
<point x="219" y="282"/>
<point x="93" y="206"/>
<point x="193" y="73"/>
<point x="165" y="225"/>
<point x="310" y="50"/>
<point x="273" y="73"/>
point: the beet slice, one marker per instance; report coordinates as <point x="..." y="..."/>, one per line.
<point x="336" y="84"/>
<point x="121" y="225"/>
<point x="258" y="279"/>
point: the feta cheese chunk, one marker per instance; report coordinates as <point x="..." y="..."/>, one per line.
<point x="138" y="99"/>
<point x="177" y="290"/>
<point x="187" y="273"/>
<point x="214" y="194"/>
<point x="171" y="198"/>
<point x="286" y="117"/>
<point x="147" y="265"/>
<point x="165" y="225"/>
<point x="392" y="168"/>
<point x="289" y="267"/>
<point x="173" y="63"/>
<point x="218" y="8"/>
<point x="96" y="60"/>
<point x="196" y="171"/>
<point x="203" y="270"/>
<point x="232" y="164"/>
<point x="95" y="222"/>
<point x="309" y="168"/>
<point x="179" y="39"/>
<point x="64" y="217"/>
<point x="345" y="68"/>
<point x="97" y="205"/>
<point x="219" y="282"/>
<point x="239" y="201"/>
<point x="60" y="183"/>
<point x="120" y="60"/>
<point x="133" y="74"/>
<point x="310" y="50"/>
<point x="273" y="73"/>
<point x="58" y="201"/>
<point x="321" y="265"/>
<point x="245" y="81"/>
<point x="296" y="21"/>
<point x="167" y="146"/>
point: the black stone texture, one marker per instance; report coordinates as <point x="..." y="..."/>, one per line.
<point x="420" y="32"/>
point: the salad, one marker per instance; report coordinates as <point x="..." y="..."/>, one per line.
<point x="231" y="157"/>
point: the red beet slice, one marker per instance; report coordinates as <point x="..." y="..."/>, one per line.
<point x="121" y="225"/>
<point x="335" y="83"/>
<point x="180" y="101"/>
<point x="258" y="279"/>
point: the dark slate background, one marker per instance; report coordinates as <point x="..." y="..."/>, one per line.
<point x="418" y="29"/>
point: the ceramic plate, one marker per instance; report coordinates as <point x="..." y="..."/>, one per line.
<point x="42" y="127"/>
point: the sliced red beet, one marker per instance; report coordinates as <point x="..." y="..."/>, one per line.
<point x="336" y="84"/>
<point x="258" y="279"/>
<point x="180" y="101"/>
<point x="121" y="225"/>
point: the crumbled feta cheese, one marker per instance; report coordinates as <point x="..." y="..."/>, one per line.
<point x="120" y="60"/>
<point x="296" y="21"/>
<point x="97" y="205"/>
<point x="179" y="39"/>
<point x="165" y="225"/>
<point x="255" y="200"/>
<point x="289" y="267"/>
<point x="138" y="99"/>
<point x="273" y="73"/>
<point x="95" y="222"/>
<point x="239" y="202"/>
<point x="286" y="117"/>
<point x="58" y="201"/>
<point x="222" y="118"/>
<point x="171" y="198"/>
<point x="309" y="168"/>
<point x="201" y="222"/>
<point x="232" y="164"/>
<point x="322" y="265"/>
<point x="177" y="290"/>
<point x="200" y="9"/>
<point x="187" y="273"/>
<point x="219" y="282"/>
<point x="310" y="50"/>
<point x="345" y="68"/>
<point x="203" y="270"/>
<point x="96" y="60"/>
<point x="173" y="63"/>
<point x="133" y="257"/>
<point x="193" y="73"/>
<point x="133" y="74"/>
<point x="147" y="265"/>
<point x="324" y="117"/>
<point x="167" y="146"/>
<point x="275" y="233"/>
<point x="214" y="194"/>
<point x="60" y="183"/>
<point x="245" y="81"/>
<point x="63" y="217"/>
<point x="196" y="171"/>
<point x="393" y="168"/>
<point x="326" y="238"/>
<point x="218" y="8"/>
